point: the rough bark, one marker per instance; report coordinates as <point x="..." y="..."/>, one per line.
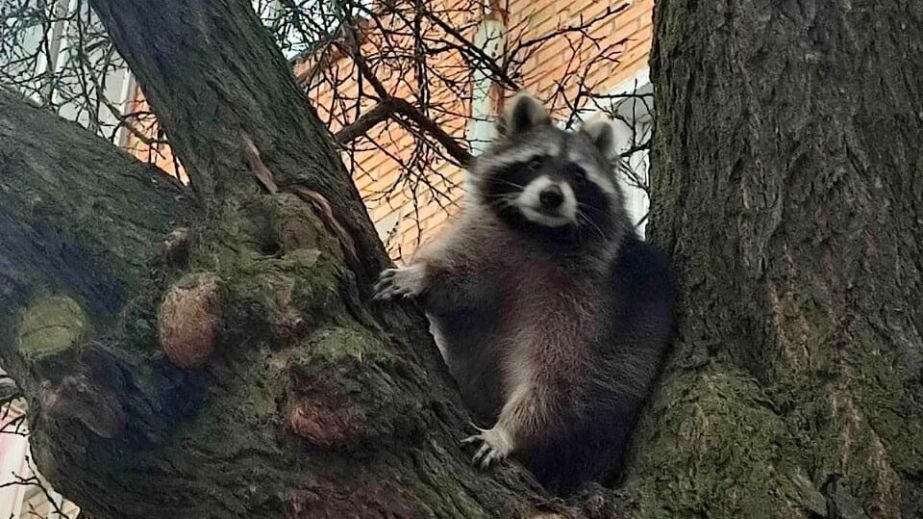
<point x="222" y="362"/>
<point x="79" y="222"/>
<point x="215" y="78"/>
<point x="788" y="190"/>
<point x="69" y="222"/>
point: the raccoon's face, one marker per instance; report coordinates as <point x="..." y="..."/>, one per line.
<point x="546" y="181"/>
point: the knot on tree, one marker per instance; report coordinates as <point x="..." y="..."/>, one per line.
<point x="342" y="396"/>
<point x="189" y="319"/>
<point x="325" y="419"/>
<point x="308" y="219"/>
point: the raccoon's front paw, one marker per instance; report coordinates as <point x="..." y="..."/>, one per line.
<point x="496" y="445"/>
<point x="409" y="281"/>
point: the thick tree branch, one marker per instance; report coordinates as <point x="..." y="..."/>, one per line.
<point x="51" y="180"/>
<point x="245" y="376"/>
<point x="787" y="187"/>
<point x="206" y="96"/>
<point x="82" y="224"/>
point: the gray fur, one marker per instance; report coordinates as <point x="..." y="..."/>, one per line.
<point x="523" y="113"/>
<point x="601" y="133"/>
<point x="553" y="343"/>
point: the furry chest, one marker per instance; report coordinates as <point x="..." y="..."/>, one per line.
<point x="547" y="316"/>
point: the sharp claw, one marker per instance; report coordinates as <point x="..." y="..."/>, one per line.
<point x="383" y="291"/>
<point x="478" y="460"/>
<point x="470" y="439"/>
<point x="482" y="454"/>
<point x="385" y="287"/>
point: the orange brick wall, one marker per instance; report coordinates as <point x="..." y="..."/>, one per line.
<point x="527" y="19"/>
<point x="145" y="143"/>
<point x="406" y="215"/>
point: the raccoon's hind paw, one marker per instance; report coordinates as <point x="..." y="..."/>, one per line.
<point x="496" y="445"/>
<point x="409" y="281"/>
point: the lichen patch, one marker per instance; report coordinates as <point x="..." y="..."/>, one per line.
<point x="51" y="326"/>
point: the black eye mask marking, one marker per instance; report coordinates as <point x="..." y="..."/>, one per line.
<point x="579" y="176"/>
<point x="513" y="178"/>
<point x="536" y="163"/>
<point x="594" y="216"/>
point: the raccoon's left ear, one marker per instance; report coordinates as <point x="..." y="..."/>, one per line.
<point x="523" y="112"/>
<point x="601" y="133"/>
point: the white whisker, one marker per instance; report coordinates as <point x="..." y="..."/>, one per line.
<point x="586" y="219"/>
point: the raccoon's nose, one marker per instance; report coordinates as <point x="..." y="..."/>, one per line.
<point x="551" y="197"/>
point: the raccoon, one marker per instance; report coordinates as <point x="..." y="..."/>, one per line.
<point x="550" y="312"/>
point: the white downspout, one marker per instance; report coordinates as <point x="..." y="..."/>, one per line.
<point x="490" y="39"/>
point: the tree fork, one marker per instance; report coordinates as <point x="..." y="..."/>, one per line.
<point x="208" y="97"/>
<point x="237" y="372"/>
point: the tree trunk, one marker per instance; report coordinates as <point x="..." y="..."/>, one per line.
<point x="235" y="369"/>
<point x="790" y="196"/>
<point x="220" y="359"/>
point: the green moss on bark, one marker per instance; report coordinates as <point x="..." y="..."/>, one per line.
<point x="884" y="391"/>
<point x="719" y="454"/>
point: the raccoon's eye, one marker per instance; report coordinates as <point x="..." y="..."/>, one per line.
<point x="579" y="176"/>
<point x="535" y="164"/>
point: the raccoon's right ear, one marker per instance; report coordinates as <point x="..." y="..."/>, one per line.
<point x="523" y="112"/>
<point x="602" y="133"/>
